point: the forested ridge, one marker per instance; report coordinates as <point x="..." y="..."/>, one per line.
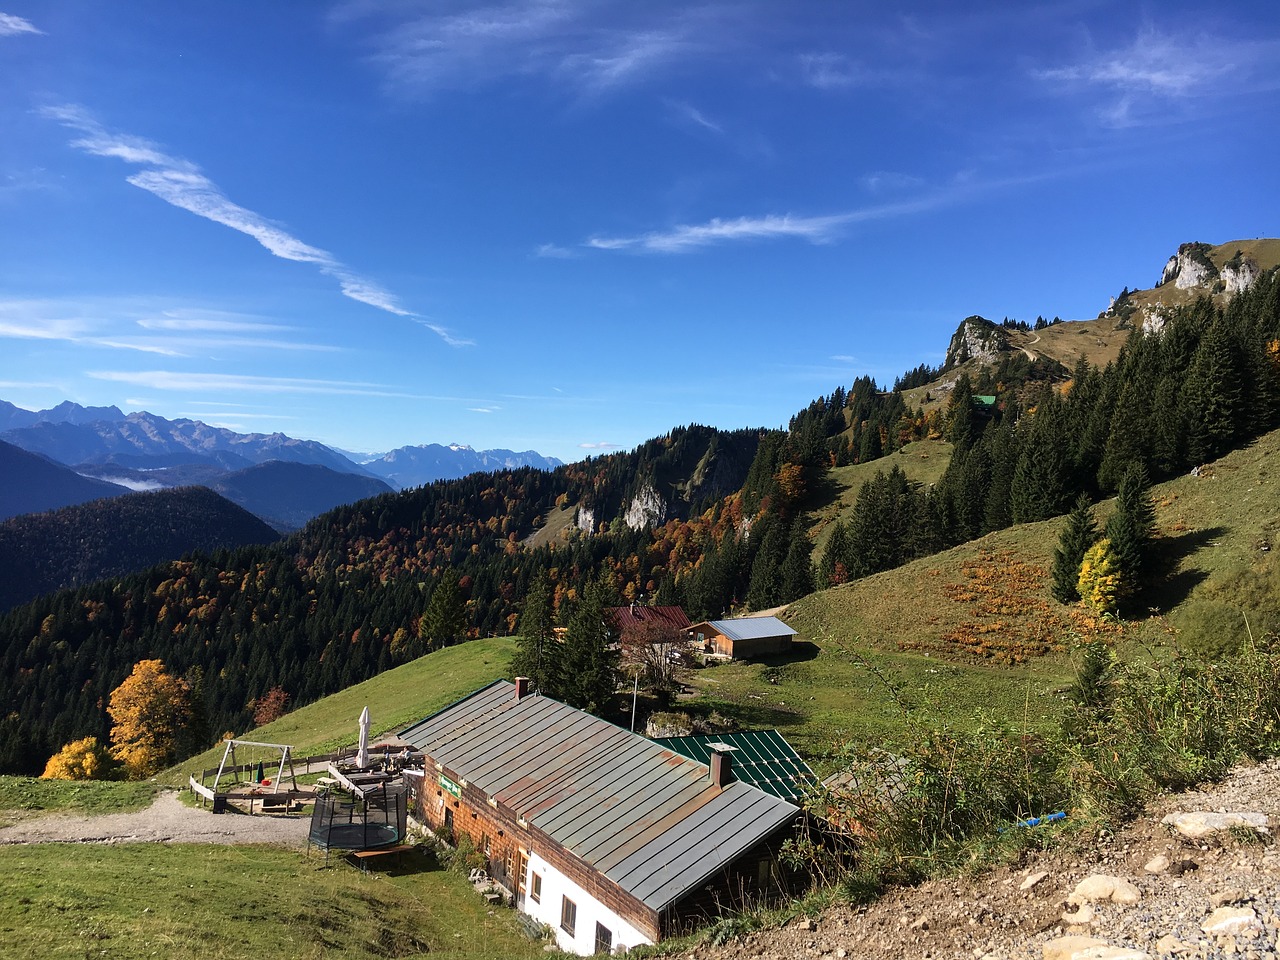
<point x="350" y="594"/>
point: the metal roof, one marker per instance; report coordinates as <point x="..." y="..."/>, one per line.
<point x="638" y="613"/>
<point x="760" y="757"/>
<point x="752" y="628"/>
<point x="643" y="815"/>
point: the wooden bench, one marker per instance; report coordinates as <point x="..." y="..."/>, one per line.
<point x="277" y="803"/>
<point x="361" y="858"/>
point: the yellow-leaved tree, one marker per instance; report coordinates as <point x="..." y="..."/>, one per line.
<point x="83" y="759"/>
<point x="148" y="712"/>
<point x="1100" y="583"/>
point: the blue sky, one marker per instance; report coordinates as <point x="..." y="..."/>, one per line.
<point x="569" y="225"/>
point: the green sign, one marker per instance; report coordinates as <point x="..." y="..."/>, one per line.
<point x="450" y="786"/>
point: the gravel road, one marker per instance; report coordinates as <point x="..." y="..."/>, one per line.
<point x="167" y="820"/>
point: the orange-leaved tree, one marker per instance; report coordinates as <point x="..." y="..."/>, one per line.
<point x="149" y="711"/>
<point x="83" y="759"/>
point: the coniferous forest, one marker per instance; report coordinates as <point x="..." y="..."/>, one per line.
<point x="351" y="594"/>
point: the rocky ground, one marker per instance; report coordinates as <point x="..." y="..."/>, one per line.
<point x="1200" y="887"/>
<point x="167" y="820"/>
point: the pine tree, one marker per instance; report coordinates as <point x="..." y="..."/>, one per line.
<point x="797" y="568"/>
<point x="590" y="663"/>
<point x="833" y="569"/>
<point x="1078" y="536"/>
<point x="1130" y="530"/>
<point x="537" y="650"/>
<point x="445" y="620"/>
<point x="962" y="427"/>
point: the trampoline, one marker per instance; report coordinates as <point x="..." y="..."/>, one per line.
<point x="379" y="820"/>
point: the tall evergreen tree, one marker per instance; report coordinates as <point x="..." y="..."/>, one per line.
<point x="962" y="428"/>
<point x="537" y="650"/>
<point x="1078" y="536"/>
<point x="445" y="620"/>
<point x="590" y="663"/>
<point x="797" y="567"/>
<point x="833" y="569"/>
<point x="1130" y="529"/>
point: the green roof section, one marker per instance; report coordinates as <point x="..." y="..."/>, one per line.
<point x="985" y="400"/>
<point x="762" y="758"/>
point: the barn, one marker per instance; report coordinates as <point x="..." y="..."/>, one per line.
<point x="608" y="838"/>
<point x="742" y="638"/>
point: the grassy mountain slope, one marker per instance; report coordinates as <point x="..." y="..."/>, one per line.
<point x="974" y="630"/>
<point x="395" y="699"/>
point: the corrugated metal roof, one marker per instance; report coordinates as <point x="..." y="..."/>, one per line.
<point x="638" y="613"/>
<point x="760" y="757"/>
<point x="645" y="816"/>
<point x="752" y="628"/>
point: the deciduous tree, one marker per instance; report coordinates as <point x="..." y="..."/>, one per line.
<point x="79" y="760"/>
<point x="148" y="711"/>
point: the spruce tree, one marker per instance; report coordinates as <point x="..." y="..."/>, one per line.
<point x="537" y="650"/>
<point x="1130" y="529"/>
<point x="1078" y="536"/>
<point x="797" y="568"/>
<point x="590" y="662"/>
<point x="834" y="566"/>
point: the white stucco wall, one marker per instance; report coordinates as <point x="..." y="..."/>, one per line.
<point x="556" y="886"/>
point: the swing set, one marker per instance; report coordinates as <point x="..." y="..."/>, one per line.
<point x="246" y="777"/>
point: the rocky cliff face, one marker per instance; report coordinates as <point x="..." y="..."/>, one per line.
<point x="1239" y="273"/>
<point x="646" y="510"/>
<point x="976" y="339"/>
<point x="1189" y="267"/>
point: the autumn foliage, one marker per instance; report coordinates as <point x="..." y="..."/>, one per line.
<point x="82" y="759"/>
<point x="148" y="712"/>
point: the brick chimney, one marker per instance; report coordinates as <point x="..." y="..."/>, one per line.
<point x="721" y="765"/>
<point x="522" y="687"/>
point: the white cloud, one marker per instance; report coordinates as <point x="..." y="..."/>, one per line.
<point x="586" y="45"/>
<point x="716" y="231"/>
<point x="553" y="252"/>
<point x="12" y="26"/>
<point x="817" y="229"/>
<point x="690" y="113"/>
<point x="191" y="382"/>
<point x="830" y="71"/>
<point x="598" y="446"/>
<point x="180" y="183"/>
<point x="1138" y="83"/>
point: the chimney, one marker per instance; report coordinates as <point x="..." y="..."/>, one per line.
<point x="522" y="687"/>
<point x="721" y="765"/>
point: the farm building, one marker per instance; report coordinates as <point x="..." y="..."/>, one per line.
<point x="608" y="838"/>
<point x="742" y="638"/>
<point x="639" y="615"/>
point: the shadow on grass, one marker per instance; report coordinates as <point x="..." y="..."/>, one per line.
<point x="746" y="715"/>
<point x="801" y="651"/>
<point x="1174" y="588"/>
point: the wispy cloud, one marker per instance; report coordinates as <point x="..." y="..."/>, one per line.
<point x="602" y="445"/>
<point x="179" y="182"/>
<point x="12" y="26"/>
<point x="828" y="228"/>
<point x="553" y="251"/>
<point x="584" y="45"/>
<point x="222" y="383"/>
<point x="830" y="71"/>
<point x="1139" y="82"/>
<point x="688" y="113"/>
<point x="114" y="323"/>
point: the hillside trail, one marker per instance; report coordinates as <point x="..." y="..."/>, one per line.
<point x="1155" y="893"/>
<point x="167" y="820"/>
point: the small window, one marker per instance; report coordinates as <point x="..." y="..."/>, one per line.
<point x="535" y="887"/>
<point x="568" y="915"/>
<point x="604" y="939"/>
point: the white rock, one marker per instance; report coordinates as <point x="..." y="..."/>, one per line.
<point x="1071" y="947"/>
<point x="1101" y="887"/>
<point x="1169" y="944"/>
<point x="1227" y="920"/>
<point x="1158" y="864"/>
<point x="1201" y="824"/>
<point x="1033" y="879"/>
<point x="1084" y="914"/>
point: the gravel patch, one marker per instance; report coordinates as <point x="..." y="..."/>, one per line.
<point x="167" y="820"/>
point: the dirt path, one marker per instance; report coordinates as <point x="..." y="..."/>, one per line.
<point x="167" y="820"/>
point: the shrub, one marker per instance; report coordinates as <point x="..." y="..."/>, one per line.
<point x="79" y="760"/>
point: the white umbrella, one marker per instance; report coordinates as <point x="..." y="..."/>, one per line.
<point x="362" y="752"/>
